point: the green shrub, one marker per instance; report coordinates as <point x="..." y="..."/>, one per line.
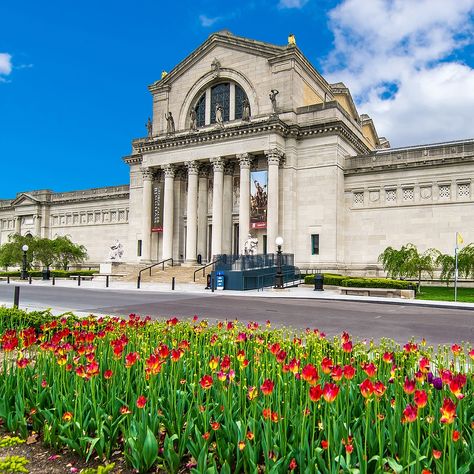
<point x="56" y="273"/>
<point x="14" y="318"/>
<point x="378" y="283"/>
<point x="329" y="279"/>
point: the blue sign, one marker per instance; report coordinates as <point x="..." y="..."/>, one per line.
<point x="219" y="280"/>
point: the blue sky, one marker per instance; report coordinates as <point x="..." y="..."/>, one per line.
<point x="74" y="75"/>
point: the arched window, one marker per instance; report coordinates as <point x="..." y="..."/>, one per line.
<point x="201" y="111"/>
<point x="228" y="94"/>
<point x="220" y="94"/>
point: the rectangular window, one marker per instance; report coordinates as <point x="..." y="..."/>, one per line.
<point x="314" y="244"/>
<point x="139" y="248"/>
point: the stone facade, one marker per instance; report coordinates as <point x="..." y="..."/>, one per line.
<point x="336" y="192"/>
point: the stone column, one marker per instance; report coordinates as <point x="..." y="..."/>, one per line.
<point x="168" y="212"/>
<point x="202" y="211"/>
<point x="227" y="208"/>
<point x="17" y="225"/>
<point x="147" y="176"/>
<point x="274" y="156"/>
<point x="38" y="225"/>
<point x="191" y="213"/>
<point x="218" y="167"/>
<point x="244" y="200"/>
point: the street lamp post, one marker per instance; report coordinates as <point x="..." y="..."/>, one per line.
<point x="24" y="273"/>
<point x="279" y="274"/>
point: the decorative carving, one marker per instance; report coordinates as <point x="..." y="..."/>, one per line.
<point x="374" y="196"/>
<point x="251" y="245"/>
<point x="116" y="251"/>
<point x="425" y="192"/>
<point x="217" y="164"/>
<point x="245" y="160"/>
<point x="149" y="128"/>
<point x="168" y="170"/>
<point x="193" y="118"/>
<point x="216" y="67"/>
<point x="147" y="174"/>
<point x="274" y="156"/>
<point x="219" y="115"/>
<point x="229" y="168"/>
<point x="272" y="95"/>
<point x="203" y="170"/>
<point x="169" y="124"/>
<point x="192" y="166"/>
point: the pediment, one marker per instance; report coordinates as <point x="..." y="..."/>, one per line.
<point x="25" y="199"/>
<point x="223" y="39"/>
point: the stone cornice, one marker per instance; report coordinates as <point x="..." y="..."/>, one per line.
<point x="133" y="159"/>
<point x="274" y="125"/>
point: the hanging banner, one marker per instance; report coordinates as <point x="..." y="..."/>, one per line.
<point x="258" y="199"/>
<point x="157" y="207"/>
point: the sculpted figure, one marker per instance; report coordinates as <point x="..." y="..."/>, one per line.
<point x="251" y="245"/>
<point x="246" y="110"/>
<point x="219" y="115"/>
<point x="272" y="95"/>
<point x="169" y="123"/>
<point x="149" y="128"/>
<point x="193" y="117"/>
<point x="116" y="251"/>
<point x="216" y="67"/>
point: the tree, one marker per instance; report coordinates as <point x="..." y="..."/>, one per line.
<point x="447" y="263"/>
<point x="10" y="255"/>
<point x="67" y="252"/>
<point x="408" y="262"/>
<point x="45" y="252"/>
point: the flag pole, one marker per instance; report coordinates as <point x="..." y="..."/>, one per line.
<point x="456" y="270"/>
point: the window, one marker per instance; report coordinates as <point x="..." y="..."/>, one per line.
<point x="139" y="248"/>
<point x="201" y="111"/>
<point x="358" y="198"/>
<point x="240" y="96"/>
<point x="314" y="244"/>
<point x="391" y="195"/>
<point x="445" y="191"/>
<point x="408" y="194"/>
<point x="464" y="191"/>
<point x="220" y="94"/>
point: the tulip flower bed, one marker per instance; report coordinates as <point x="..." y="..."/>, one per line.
<point x="232" y="398"/>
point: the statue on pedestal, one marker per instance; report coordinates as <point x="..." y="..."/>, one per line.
<point x="251" y="245"/>
<point x="149" y="128"/>
<point x="193" y="121"/>
<point x="116" y="251"/>
<point x="169" y="123"/>
<point x="246" y="110"/>
<point x="219" y="115"/>
<point x="272" y="95"/>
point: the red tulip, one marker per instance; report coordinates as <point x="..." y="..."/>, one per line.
<point x="141" y="401"/>
<point x="330" y="391"/>
<point x="315" y="393"/>
<point x="448" y="411"/>
<point x="410" y="414"/>
<point x="349" y="372"/>
<point x="206" y="382"/>
<point x="366" y="388"/>
<point x="309" y="373"/>
<point x="267" y="387"/>
<point x="409" y="386"/>
<point x="420" y="398"/>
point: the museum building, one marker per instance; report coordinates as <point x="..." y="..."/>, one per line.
<point x="248" y="138"/>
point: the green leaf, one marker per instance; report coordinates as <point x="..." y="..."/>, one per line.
<point x="150" y="449"/>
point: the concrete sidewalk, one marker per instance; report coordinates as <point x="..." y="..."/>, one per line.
<point x="303" y="291"/>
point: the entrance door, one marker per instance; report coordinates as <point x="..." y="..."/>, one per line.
<point x="264" y="244"/>
<point x="236" y="239"/>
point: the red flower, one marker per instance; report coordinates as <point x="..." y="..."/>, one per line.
<point x="176" y="354"/>
<point x="456" y="435"/>
<point x="108" y="374"/>
<point x="206" y="382"/>
<point x="172" y="321"/>
<point x="330" y="391"/>
<point x="410" y="414"/>
<point x="310" y="374"/>
<point x="267" y="413"/>
<point x="274" y="348"/>
<point x="326" y="365"/>
<point x="448" y="411"/>
<point x="67" y="416"/>
<point x="22" y="362"/>
<point x="131" y="359"/>
<point x="336" y="373"/>
<point x="324" y="444"/>
<point x="347" y="346"/>
<point x="213" y="363"/>
<point x="315" y="393"/>
<point x="125" y="410"/>
<point x="366" y="388"/>
<point x="437" y="454"/>
<point x="409" y="386"/>
<point x="456" y="349"/>
<point x="281" y="356"/>
<point x="420" y="398"/>
<point x="388" y="357"/>
<point x="267" y="387"/>
<point x="215" y="425"/>
<point x="471" y="354"/>
<point x="252" y="393"/>
<point x="141" y="401"/>
<point x="425" y="365"/>
<point x="369" y="369"/>
<point x="293" y="465"/>
<point x="379" y="388"/>
<point x="349" y="372"/>
<point x="163" y="351"/>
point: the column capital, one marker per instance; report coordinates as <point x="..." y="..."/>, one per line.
<point x="229" y="168"/>
<point x="168" y="170"/>
<point x="217" y="163"/>
<point x="203" y="170"/>
<point x="147" y="174"/>
<point x="274" y="156"/>
<point x="245" y="160"/>
<point x="193" y="167"/>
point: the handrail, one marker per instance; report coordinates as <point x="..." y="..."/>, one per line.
<point x="261" y="280"/>
<point x="203" y="268"/>
<point x="139" y="278"/>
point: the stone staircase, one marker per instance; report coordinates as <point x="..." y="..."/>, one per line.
<point x="181" y="273"/>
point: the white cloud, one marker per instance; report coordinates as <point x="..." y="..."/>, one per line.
<point x="5" y="65"/>
<point x="396" y="56"/>
<point x="292" y="3"/>
<point x="208" y="21"/>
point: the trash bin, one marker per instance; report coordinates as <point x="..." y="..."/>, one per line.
<point x="208" y="282"/>
<point x="46" y="273"/>
<point x="318" y="282"/>
<point x="199" y="259"/>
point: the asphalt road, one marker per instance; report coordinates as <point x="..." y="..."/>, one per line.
<point x="363" y="320"/>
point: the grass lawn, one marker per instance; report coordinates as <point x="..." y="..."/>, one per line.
<point x="443" y="293"/>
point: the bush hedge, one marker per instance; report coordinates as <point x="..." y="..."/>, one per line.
<point x="13" y="318"/>
<point x="359" y="282"/>
<point x="56" y="273"/>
